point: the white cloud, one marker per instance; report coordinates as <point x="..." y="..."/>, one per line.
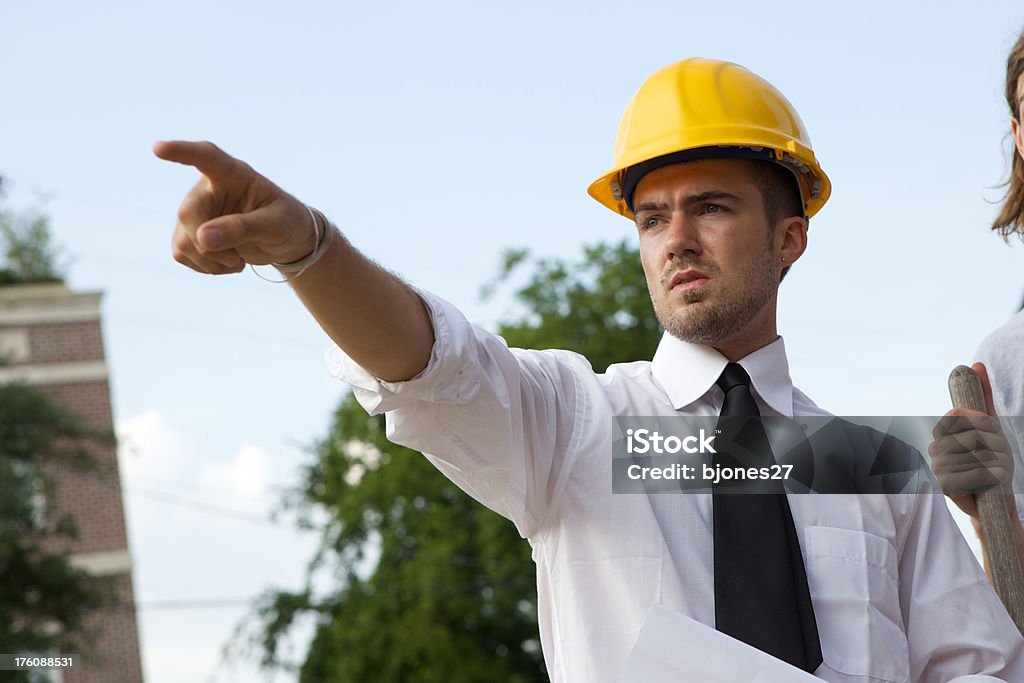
<point x="152" y="452"/>
<point x="149" y="447"/>
<point x="246" y="476"/>
<point x="187" y="495"/>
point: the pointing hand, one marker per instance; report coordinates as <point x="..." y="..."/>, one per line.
<point x="234" y="215"/>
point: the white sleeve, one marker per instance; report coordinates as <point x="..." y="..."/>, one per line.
<point x="957" y="630"/>
<point x="501" y="423"/>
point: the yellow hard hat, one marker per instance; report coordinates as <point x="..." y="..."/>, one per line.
<point x="705" y="108"/>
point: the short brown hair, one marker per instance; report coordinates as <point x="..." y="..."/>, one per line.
<point x="779" y="191"/>
<point x="780" y="194"/>
<point x="1011" y="216"/>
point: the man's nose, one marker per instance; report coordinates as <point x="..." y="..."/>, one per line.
<point x="681" y="238"/>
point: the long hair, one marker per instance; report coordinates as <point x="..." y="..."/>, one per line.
<point x="1011" y="216"/>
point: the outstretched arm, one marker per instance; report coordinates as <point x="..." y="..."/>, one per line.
<point x="234" y="216"/>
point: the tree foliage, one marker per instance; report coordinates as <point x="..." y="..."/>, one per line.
<point x="26" y="244"/>
<point x="430" y="585"/>
<point x="43" y="598"/>
<point x="599" y="307"/>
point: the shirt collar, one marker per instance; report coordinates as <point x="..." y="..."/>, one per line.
<point x="688" y="371"/>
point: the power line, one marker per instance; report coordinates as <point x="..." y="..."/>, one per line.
<point x="201" y="603"/>
<point x="200" y="506"/>
<point x="269" y="489"/>
<point x="216" y="330"/>
<point x="182" y="604"/>
<point x="220" y="602"/>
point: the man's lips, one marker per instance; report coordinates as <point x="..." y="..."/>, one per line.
<point x="688" y="279"/>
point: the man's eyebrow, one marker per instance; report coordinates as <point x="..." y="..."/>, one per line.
<point x="650" y="206"/>
<point x="710" y="195"/>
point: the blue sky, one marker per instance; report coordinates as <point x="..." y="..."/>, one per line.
<point x="435" y="135"/>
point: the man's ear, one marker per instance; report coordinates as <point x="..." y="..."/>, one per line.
<point x="790" y="239"/>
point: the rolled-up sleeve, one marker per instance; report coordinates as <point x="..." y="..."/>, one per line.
<point x="499" y="422"/>
<point x="444" y="380"/>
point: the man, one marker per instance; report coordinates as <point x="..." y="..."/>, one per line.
<point x="717" y="171"/>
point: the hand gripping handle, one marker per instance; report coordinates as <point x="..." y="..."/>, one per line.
<point x="1007" y="577"/>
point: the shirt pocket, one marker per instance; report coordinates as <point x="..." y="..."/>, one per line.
<point x="853" y="579"/>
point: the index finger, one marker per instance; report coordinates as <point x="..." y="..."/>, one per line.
<point x="206" y="157"/>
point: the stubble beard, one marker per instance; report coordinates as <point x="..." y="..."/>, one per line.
<point x="699" y="317"/>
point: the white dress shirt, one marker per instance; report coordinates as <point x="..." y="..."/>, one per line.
<point x="897" y="594"/>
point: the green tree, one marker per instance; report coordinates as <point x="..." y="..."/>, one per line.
<point x="432" y="586"/>
<point x="29" y="254"/>
<point x="599" y="307"/>
<point x="43" y="598"/>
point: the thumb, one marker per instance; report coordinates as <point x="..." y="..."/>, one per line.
<point x="986" y="387"/>
<point x="275" y="233"/>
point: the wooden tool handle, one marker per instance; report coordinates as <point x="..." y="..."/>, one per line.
<point x="1007" y="577"/>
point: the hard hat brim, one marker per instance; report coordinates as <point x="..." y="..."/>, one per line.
<point x="615" y="189"/>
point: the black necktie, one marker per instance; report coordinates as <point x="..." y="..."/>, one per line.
<point x="761" y="594"/>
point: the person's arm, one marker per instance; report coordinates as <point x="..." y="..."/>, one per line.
<point x="503" y="424"/>
<point x="234" y="216"/>
<point x="970" y="452"/>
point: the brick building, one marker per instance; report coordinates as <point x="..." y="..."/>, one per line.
<point x="51" y="338"/>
